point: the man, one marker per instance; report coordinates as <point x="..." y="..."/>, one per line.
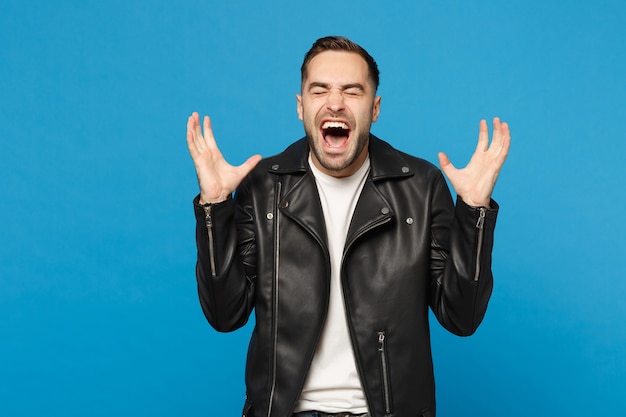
<point x="340" y="244"/>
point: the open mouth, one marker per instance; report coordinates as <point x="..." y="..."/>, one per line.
<point x="335" y="134"/>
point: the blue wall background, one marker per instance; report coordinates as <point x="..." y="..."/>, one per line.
<point x="98" y="308"/>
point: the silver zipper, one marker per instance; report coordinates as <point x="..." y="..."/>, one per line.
<point x="209" y="228"/>
<point x="275" y="324"/>
<point x="479" y="225"/>
<point x="385" y="371"/>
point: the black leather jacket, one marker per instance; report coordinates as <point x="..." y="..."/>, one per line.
<point x="408" y="248"/>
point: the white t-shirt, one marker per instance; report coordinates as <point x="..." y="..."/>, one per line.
<point x="333" y="383"/>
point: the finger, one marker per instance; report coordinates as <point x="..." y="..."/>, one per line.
<point x="483" y="137"/>
<point x="501" y="138"/>
<point x="209" y="139"/>
<point x="192" y="140"/>
<point x="193" y="150"/>
<point x="192" y="123"/>
<point x="505" y="131"/>
<point x="197" y="132"/>
<point x="190" y="126"/>
<point x="497" y="131"/>
<point x="505" y="142"/>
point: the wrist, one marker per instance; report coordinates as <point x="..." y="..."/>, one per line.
<point x="213" y="197"/>
<point x="203" y="200"/>
<point x="472" y="203"/>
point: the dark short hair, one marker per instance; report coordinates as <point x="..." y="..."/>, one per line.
<point x="339" y="43"/>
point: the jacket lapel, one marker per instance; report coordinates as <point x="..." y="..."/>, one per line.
<point x="372" y="210"/>
<point x="301" y="203"/>
<point x="300" y="200"/>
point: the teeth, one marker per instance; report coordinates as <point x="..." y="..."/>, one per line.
<point x="340" y="125"/>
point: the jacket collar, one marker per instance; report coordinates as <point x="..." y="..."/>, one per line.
<point x="385" y="161"/>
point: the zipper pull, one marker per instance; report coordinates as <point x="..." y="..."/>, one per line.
<point x="207" y="216"/>
<point x="381" y="341"/>
<point x="481" y="218"/>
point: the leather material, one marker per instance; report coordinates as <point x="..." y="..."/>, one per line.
<point x="408" y="247"/>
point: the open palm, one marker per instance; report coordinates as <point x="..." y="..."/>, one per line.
<point x="475" y="183"/>
<point x="216" y="177"/>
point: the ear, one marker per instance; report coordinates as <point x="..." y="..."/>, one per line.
<point x="376" y="108"/>
<point x="299" y="100"/>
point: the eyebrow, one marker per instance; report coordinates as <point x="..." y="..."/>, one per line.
<point x="343" y="87"/>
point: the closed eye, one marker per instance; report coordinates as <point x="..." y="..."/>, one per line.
<point x="353" y="92"/>
<point x="318" y="91"/>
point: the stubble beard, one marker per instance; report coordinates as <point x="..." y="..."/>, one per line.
<point x="337" y="164"/>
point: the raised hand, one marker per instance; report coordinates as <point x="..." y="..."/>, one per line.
<point x="475" y="183"/>
<point x="216" y="177"/>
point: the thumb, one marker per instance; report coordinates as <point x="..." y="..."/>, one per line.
<point x="249" y="165"/>
<point x="444" y="162"/>
<point x="446" y="166"/>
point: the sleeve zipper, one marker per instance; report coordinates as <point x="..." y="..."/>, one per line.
<point x="209" y="228"/>
<point x="480" y="226"/>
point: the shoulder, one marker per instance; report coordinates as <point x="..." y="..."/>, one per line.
<point x="388" y="161"/>
<point x="292" y="160"/>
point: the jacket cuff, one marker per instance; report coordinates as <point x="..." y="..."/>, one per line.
<point x="200" y="209"/>
<point x="471" y="213"/>
<point x="196" y="201"/>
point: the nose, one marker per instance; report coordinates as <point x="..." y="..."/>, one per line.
<point x="335" y="103"/>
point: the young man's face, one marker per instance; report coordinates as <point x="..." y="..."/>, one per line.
<point x="338" y="106"/>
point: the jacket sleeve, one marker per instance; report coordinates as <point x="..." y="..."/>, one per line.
<point x="461" y="245"/>
<point x="226" y="284"/>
